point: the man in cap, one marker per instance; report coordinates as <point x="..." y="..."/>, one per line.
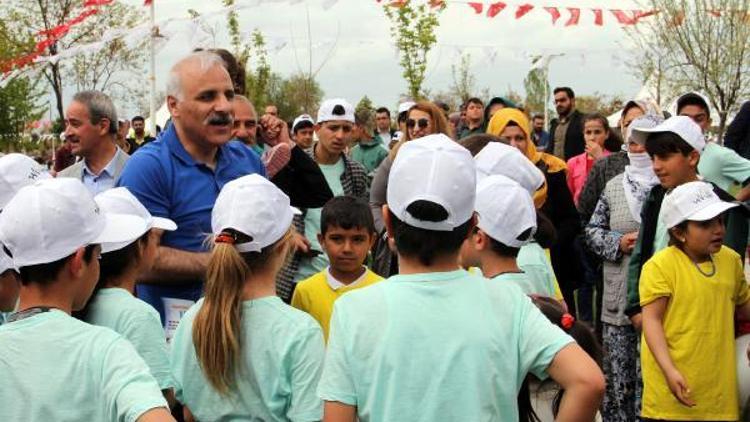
<point x="343" y="175"/>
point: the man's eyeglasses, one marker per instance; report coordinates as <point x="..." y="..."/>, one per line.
<point x="422" y="123"/>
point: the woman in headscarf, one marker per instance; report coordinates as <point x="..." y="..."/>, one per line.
<point x="611" y="235"/>
<point x="553" y="198"/>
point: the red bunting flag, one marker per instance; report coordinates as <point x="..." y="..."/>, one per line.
<point x="437" y="3"/>
<point x="95" y="3"/>
<point x="575" y="16"/>
<point x="398" y="3"/>
<point x="495" y="9"/>
<point x="598" y="17"/>
<point x="478" y="7"/>
<point x="639" y="14"/>
<point x="623" y="17"/>
<point x="554" y="13"/>
<point x="523" y="9"/>
<point x="148" y="2"/>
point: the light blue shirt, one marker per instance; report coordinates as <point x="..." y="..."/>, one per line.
<point x="97" y="183"/>
<point x="311" y="266"/>
<point x="57" y="368"/>
<point x="436" y="347"/>
<point x="539" y="277"/>
<point x="281" y="361"/>
<point x="138" y="322"/>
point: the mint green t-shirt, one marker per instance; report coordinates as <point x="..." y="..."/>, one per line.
<point x="525" y="283"/>
<point x="436" y="347"/>
<point x="310" y="266"/>
<point x="661" y="235"/>
<point x="723" y="166"/>
<point x="57" y="368"/>
<point x="139" y="323"/>
<point x="539" y="277"/>
<point x="281" y="361"/>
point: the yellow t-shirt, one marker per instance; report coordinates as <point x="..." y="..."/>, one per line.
<point x="698" y="324"/>
<point x="316" y="297"/>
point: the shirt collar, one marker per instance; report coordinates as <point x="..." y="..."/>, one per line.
<point x="179" y="151"/>
<point x="109" y="169"/>
<point x="335" y="284"/>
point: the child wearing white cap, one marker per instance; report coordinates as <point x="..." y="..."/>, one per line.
<point x="240" y="352"/>
<point x="492" y="157"/>
<point x="689" y="293"/>
<point x="507" y="222"/>
<point x="675" y="147"/>
<point x="16" y="171"/>
<point x="113" y="305"/>
<point x="435" y="342"/>
<point x="53" y="230"/>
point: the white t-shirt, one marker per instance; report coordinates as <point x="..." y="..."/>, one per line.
<point x="57" y="368"/>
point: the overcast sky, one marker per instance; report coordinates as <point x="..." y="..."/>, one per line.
<point x="363" y="61"/>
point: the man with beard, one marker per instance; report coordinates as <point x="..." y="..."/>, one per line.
<point x="246" y="123"/>
<point x="566" y="132"/>
<point x="140" y="136"/>
<point x="91" y="130"/>
<point x="180" y="176"/>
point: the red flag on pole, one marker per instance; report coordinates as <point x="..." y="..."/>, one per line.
<point x="575" y="15"/>
<point x="478" y="7"/>
<point x="523" y="9"/>
<point x="554" y="13"/>
<point x="598" y="17"/>
<point x="148" y="2"/>
<point x="495" y="9"/>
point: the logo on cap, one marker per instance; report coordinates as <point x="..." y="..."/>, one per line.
<point x="338" y="110"/>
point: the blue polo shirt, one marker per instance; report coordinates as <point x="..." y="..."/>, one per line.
<point x="171" y="184"/>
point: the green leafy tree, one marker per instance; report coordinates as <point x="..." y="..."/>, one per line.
<point x="295" y="95"/>
<point x="19" y="97"/>
<point x="464" y="82"/>
<point x="701" y="45"/>
<point x="413" y="30"/>
<point x="537" y="90"/>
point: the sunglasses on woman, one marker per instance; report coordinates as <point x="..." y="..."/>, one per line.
<point x="422" y="123"/>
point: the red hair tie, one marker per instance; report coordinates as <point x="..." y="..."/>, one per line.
<point x="224" y="238"/>
<point x="567" y="321"/>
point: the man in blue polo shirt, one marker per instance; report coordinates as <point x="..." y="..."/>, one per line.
<point x="180" y="175"/>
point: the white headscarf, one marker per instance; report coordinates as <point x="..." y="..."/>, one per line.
<point x="639" y="177"/>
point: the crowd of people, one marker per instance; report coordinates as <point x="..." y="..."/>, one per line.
<point x="430" y="265"/>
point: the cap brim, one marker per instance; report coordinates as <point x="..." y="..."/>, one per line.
<point x="711" y="211"/>
<point x="120" y="229"/>
<point x="295" y="211"/>
<point x="163" y="224"/>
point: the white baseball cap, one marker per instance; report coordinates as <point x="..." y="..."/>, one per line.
<point x="433" y="168"/>
<point x="646" y="121"/>
<point x="505" y="210"/>
<point x="498" y="158"/>
<point x="52" y="218"/>
<point x="121" y="201"/>
<point x="682" y="126"/>
<point x="255" y="207"/>
<point x="302" y="118"/>
<point x="405" y="106"/>
<point x="6" y="262"/>
<point x="17" y="171"/>
<point x="694" y="201"/>
<point x="335" y="109"/>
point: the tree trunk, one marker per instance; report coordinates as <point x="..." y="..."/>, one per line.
<point x="57" y="88"/>
<point x="722" y="127"/>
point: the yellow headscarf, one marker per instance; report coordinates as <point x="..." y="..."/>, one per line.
<point x="496" y="127"/>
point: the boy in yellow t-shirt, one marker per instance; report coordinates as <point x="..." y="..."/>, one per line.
<point x="689" y="293"/>
<point x="347" y="233"/>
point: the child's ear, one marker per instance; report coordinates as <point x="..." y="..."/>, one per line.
<point x="481" y="241"/>
<point x="76" y="263"/>
<point x="693" y="158"/>
<point x="387" y="221"/>
<point x="321" y="239"/>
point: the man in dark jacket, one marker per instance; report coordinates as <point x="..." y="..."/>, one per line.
<point x="566" y="132"/>
<point x="738" y="132"/>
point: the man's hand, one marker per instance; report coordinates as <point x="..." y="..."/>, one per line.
<point x="300" y="243"/>
<point x="627" y="242"/>
<point x="274" y="130"/>
<point x="679" y="387"/>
